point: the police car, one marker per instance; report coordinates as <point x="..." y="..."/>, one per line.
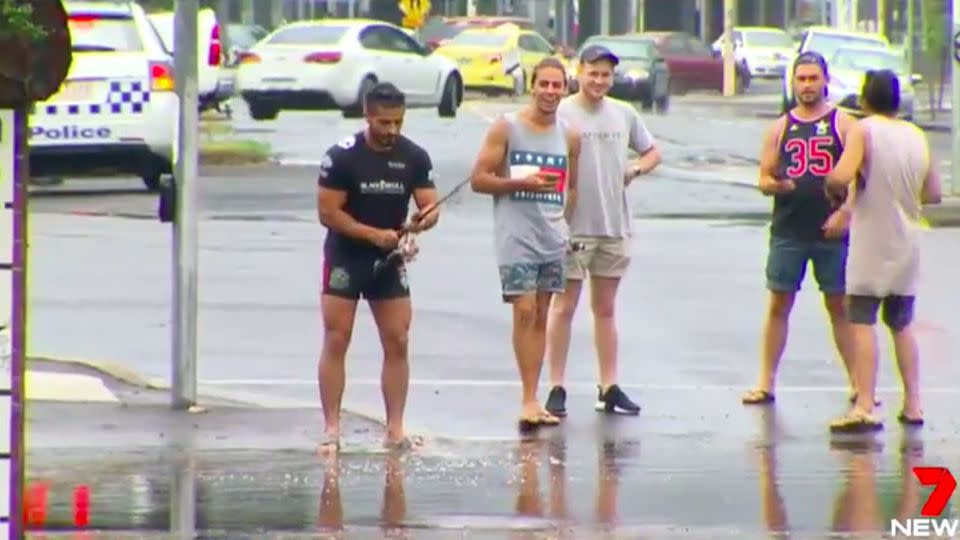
<point x="116" y="113"/>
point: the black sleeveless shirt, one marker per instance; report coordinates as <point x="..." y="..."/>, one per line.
<point x="808" y="152"/>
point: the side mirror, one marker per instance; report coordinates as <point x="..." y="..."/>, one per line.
<point x="916" y="78"/>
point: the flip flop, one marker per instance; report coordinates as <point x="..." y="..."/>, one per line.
<point x="548" y="419"/>
<point x="908" y="421"/>
<point x="404" y="444"/>
<point x="529" y="424"/>
<point x="856" y="422"/>
<point x="853" y="399"/>
<point x="758" y="397"/>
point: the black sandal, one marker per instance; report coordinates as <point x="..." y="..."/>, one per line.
<point x="529" y="425"/>
<point x="856" y="422"/>
<point x="907" y="421"/>
<point x="757" y="397"/>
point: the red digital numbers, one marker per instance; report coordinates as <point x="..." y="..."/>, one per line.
<point x="809" y="156"/>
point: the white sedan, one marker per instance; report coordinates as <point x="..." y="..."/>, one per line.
<point x="332" y="63"/>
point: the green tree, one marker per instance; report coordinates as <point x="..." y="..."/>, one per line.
<point x="16" y="18"/>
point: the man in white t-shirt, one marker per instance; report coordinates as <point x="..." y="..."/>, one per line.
<point x="600" y="223"/>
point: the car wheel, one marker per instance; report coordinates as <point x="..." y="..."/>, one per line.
<point x="356" y="110"/>
<point x="262" y="111"/>
<point x="450" y="99"/>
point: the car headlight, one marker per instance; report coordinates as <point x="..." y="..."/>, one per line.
<point x="636" y="74"/>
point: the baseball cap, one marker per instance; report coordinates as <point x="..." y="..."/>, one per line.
<point x="811" y="57"/>
<point x="593" y="53"/>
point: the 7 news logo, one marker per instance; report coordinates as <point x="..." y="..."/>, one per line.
<point x="931" y="524"/>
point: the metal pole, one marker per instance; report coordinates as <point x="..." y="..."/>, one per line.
<point x="642" y="16"/>
<point x="705" y="10"/>
<point x="729" y="69"/>
<point x="909" y="40"/>
<point x="185" y="228"/>
<point x="762" y="12"/>
<point x="882" y="17"/>
<point x="13" y="183"/>
<point x="955" y="102"/>
<point x="605" y="17"/>
<point x="246" y="12"/>
<point x="352" y="7"/>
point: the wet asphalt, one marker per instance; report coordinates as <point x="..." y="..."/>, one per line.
<point x="695" y="463"/>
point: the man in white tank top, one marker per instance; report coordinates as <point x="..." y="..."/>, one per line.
<point x="887" y="163"/>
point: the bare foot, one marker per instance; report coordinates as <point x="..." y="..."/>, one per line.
<point x="402" y="443"/>
<point x="329" y="445"/>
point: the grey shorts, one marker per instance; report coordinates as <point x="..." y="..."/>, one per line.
<point x="897" y="310"/>
<point x="527" y="278"/>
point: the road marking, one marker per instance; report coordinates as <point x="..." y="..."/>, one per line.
<point x="489" y="383"/>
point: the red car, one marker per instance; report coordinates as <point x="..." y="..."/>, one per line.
<point x="693" y="65"/>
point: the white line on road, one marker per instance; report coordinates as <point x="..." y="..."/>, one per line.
<point x="475" y="383"/>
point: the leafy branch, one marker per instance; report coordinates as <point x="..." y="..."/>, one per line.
<point x="16" y="18"/>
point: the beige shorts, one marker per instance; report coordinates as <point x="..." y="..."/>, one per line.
<point x="601" y="257"/>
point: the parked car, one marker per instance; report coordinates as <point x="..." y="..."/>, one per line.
<point x="762" y="52"/>
<point x="642" y="74"/>
<point x="332" y="63"/>
<point x="210" y="54"/>
<point x="827" y="41"/>
<point x="241" y="38"/>
<point x="498" y="59"/>
<point x="116" y="112"/>
<point x="692" y="64"/>
<point x="439" y="30"/>
<point x="848" y="68"/>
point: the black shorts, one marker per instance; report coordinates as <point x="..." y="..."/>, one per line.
<point x="897" y="310"/>
<point x="349" y="275"/>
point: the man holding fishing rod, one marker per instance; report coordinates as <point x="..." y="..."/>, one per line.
<point x="365" y="185"/>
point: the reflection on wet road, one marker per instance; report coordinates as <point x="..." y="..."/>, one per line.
<point x="546" y="487"/>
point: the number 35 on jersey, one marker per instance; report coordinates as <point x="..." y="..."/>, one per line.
<point x="810" y="156"/>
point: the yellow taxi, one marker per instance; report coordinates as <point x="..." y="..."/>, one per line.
<point x="497" y="60"/>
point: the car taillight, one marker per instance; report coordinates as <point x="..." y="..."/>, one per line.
<point x="495" y="58"/>
<point x="323" y="58"/>
<point x="248" y="58"/>
<point x="213" y="55"/>
<point x="161" y="77"/>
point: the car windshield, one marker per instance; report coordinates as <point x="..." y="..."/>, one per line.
<point x="244" y="36"/>
<point x="480" y="39"/>
<point x="640" y="49"/>
<point x="764" y="38"/>
<point x="100" y="33"/>
<point x="315" y="34"/>
<point x="864" y="60"/>
<point x="828" y="44"/>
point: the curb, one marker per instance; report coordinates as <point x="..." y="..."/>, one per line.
<point x="129" y="377"/>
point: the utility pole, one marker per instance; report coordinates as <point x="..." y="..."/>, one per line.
<point x="882" y="17"/>
<point x="705" y="12"/>
<point x="185" y="226"/>
<point x="642" y="16"/>
<point x="729" y="67"/>
<point x="910" y="39"/>
<point x="955" y="102"/>
<point x="605" y="17"/>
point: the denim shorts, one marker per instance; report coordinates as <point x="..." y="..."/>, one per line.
<point x="527" y="278"/>
<point x="897" y="310"/>
<point x="787" y="264"/>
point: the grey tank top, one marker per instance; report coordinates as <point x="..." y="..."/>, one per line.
<point x="885" y="231"/>
<point x="529" y="227"/>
